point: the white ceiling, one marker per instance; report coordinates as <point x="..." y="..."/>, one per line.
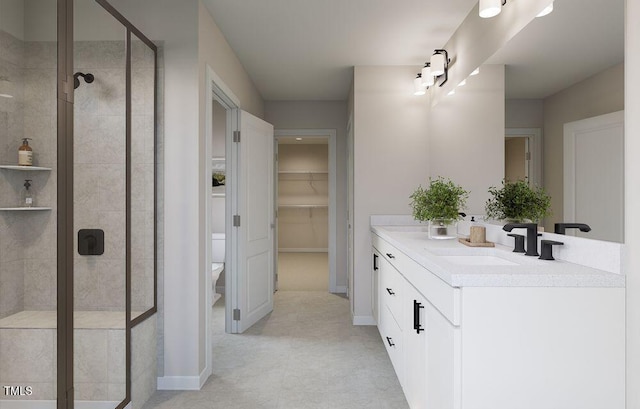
<point x="305" y="49"/>
<point x="579" y="39"/>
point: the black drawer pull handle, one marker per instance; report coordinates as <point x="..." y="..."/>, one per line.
<point x="390" y="291"/>
<point x="416" y="316"/>
<point x="390" y="255"/>
<point x="390" y="341"/>
<point x="375" y="262"/>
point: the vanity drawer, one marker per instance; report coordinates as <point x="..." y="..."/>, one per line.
<point x="388" y="252"/>
<point x="392" y="286"/>
<point x="393" y="342"/>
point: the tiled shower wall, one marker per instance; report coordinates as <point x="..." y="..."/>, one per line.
<point x="28" y="239"/>
<point x="99" y="173"/>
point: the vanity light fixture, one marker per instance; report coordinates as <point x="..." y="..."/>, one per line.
<point x="475" y="72"/>
<point x="440" y="65"/>
<point x="6" y="88"/>
<point x="418" y="88"/>
<point x="490" y="8"/>
<point x="462" y="83"/>
<point x="546" y="10"/>
<point x="427" y="76"/>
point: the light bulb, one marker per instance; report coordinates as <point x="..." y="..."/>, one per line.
<point x="427" y="77"/>
<point x="419" y="89"/>
<point x="546" y="10"/>
<point x="475" y="72"/>
<point x="437" y="64"/>
<point x="490" y="8"/>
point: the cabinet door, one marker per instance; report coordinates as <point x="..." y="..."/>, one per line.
<point x="443" y="361"/>
<point x="416" y="339"/>
<point x="376" y="285"/>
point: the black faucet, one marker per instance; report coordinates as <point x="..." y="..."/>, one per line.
<point x="559" y="228"/>
<point x="532" y="236"/>
<point x="547" y="249"/>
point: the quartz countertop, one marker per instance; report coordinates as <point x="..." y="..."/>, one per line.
<point x="445" y="259"/>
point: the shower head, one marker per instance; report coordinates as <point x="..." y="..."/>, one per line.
<point x="88" y="78"/>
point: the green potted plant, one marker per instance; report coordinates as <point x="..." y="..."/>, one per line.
<point x="518" y="202"/>
<point x="440" y="205"/>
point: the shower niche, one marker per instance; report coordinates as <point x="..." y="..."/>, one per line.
<point x="80" y="81"/>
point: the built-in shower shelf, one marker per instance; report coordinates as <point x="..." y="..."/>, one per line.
<point x="23" y="209"/>
<point x="27" y="168"/>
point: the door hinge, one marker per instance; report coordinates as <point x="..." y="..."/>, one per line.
<point x="236" y="220"/>
<point x="236" y="315"/>
<point x="236" y="136"/>
<point x="527" y="156"/>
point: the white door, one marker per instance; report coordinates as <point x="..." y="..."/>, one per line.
<point x="254" y="278"/>
<point x="594" y="175"/>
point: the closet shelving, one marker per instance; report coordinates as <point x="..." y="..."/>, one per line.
<point x="303" y="200"/>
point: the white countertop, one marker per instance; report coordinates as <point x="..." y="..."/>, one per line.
<point x="525" y="272"/>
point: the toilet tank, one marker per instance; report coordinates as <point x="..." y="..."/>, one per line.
<point x="217" y="247"/>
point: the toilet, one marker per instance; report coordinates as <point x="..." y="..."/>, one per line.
<point x="217" y="258"/>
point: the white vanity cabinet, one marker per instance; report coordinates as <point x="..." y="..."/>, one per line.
<point x="498" y="347"/>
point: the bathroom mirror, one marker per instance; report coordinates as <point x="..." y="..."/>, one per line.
<point x="567" y="68"/>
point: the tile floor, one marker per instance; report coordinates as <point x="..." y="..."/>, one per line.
<point x="305" y="354"/>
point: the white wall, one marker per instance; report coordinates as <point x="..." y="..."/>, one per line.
<point x="632" y="199"/>
<point x="191" y="41"/>
<point x="601" y="94"/>
<point x="391" y="152"/>
<point x="467" y="136"/>
<point x="175" y="24"/>
<point x="321" y="115"/>
<point x="524" y="113"/>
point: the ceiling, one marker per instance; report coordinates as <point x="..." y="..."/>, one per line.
<point x="306" y="49"/>
<point x="579" y="39"/>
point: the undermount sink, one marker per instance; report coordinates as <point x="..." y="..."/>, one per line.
<point x="478" y="260"/>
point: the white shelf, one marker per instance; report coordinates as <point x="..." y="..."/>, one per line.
<point x="303" y="206"/>
<point x="218" y="191"/>
<point x="303" y="172"/>
<point x="24" y="209"/>
<point x="27" y="168"/>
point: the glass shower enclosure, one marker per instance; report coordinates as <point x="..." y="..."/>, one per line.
<point x="78" y="223"/>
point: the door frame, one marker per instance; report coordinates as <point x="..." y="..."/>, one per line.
<point x="216" y="89"/>
<point x="330" y="134"/>
<point x="570" y="135"/>
<point x="534" y="136"/>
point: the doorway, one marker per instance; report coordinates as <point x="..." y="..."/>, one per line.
<point x="523" y="155"/>
<point x="305" y="245"/>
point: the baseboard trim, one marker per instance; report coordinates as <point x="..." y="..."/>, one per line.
<point x="179" y="383"/>
<point x="363" y="320"/>
<point x="204" y="375"/>
<point x="340" y="289"/>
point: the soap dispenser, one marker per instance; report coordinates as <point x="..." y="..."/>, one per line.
<point x="25" y="153"/>
<point x="27" y="194"/>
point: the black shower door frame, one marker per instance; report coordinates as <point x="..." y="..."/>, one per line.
<point x="65" y="207"/>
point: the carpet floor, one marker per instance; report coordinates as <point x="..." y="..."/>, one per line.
<point x="305" y="354"/>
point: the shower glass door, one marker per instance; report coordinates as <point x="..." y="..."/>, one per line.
<point x="28" y="219"/>
<point x="101" y="327"/>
